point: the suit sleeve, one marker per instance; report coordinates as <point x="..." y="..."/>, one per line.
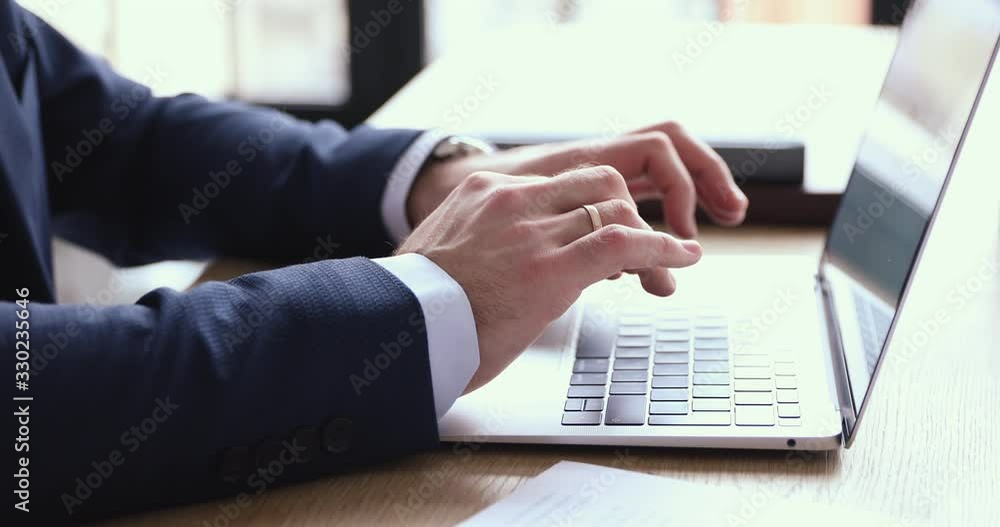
<point x="140" y="178"/>
<point x="225" y="391"/>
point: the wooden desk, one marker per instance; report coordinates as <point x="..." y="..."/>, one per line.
<point x="927" y="450"/>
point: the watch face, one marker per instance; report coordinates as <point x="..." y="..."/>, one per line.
<point x="460" y="146"/>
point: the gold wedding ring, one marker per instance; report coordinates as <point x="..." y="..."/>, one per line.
<point x="595" y="217"/>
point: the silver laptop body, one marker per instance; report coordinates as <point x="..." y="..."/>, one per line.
<point x="762" y="351"/>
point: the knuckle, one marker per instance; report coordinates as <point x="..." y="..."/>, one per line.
<point x="613" y="237"/>
<point x="505" y="197"/>
<point x="620" y="210"/>
<point x="673" y="127"/>
<point x="609" y="177"/>
<point x="478" y="181"/>
<point x="659" y="140"/>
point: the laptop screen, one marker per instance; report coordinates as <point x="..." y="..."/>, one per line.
<point x="944" y="52"/>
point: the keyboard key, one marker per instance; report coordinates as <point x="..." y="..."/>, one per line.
<point x="711" y="405"/>
<point x="751" y="360"/>
<point x="671" y="358"/>
<point x="711" y="378"/>
<point x="789" y="410"/>
<point x="596" y="341"/>
<point x="711" y="344"/>
<point x="631" y="364"/>
<point x="711" y="354"/>
<point x="669" y="394"/>
<point x="634" y="342"/>
<point x="712" y="392"/>
<point x="635" y="321"/>
<point x="589" y="379"/>
<point x="625" y="410"/>
<point x="635" y="331"/>
<point x="711" y="333"/>
<point x="753" y="385"/>
<point x="585" y="392"/>
<point x="671" y="369"/>
<point x="752" y="372"/>
<point x="673" y="324"/>
<point x="754" y="416"/>
<point x="754" y="398"/>
<point x="632" y="353"/>
<point x="573" y="405"/>
<point x="629" y="376"/>
<point x="592" y="405"/>
<point x="784" y="368"/>
<point x="590" y="365"/>
<point x="673" y="408"/>
<point x="692" y="419"/>
<point x="711" y="366"/>
<point x="787" y="396"/>
<point x="672" y="346"/>
<point x="628" y="388"/>
<point x="581" y="418"/>
<point x="671" y="381"/>
<point x="785" y="382"/>
<point x="714" y="321"/>
<point x="673" y="336"/>
<point x="794" y="421"/>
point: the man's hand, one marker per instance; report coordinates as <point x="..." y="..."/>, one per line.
<point x="523" y="249"/>
<point x="661" y="162"/>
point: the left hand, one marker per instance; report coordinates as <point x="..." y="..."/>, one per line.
<point x="662" y="161"/>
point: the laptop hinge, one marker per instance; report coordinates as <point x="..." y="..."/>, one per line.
<point x="835" y="343"/>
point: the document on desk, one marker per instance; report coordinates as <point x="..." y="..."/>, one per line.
<point x="577" y="494"/>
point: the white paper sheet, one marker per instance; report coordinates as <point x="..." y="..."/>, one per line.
<point x="577" y="494"/>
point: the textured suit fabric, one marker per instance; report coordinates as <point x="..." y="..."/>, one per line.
<point x="190" y="396"/>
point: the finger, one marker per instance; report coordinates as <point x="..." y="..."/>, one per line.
<point x="658" y="281"/>
<point x="585" y="186"/>
<point x="652" y="156"/>
<point x="615" y="248"/>
<point x="573" y="225"/>
<point x="712" y="177"/>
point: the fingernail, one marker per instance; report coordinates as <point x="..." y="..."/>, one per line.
<point x="692" y="247"/>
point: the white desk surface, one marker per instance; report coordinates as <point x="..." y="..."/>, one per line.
<point x="742" y="81"/>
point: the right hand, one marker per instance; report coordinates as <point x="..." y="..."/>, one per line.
<point x="523" y="249"/>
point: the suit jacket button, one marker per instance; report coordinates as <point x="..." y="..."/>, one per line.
<point x="337" y="435"/>
<point x="234" y="464"/>
<point x="306" y="442"/>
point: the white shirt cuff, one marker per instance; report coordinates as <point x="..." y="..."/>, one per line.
<point x="452" y="341"/>
<point x="397" y="188"/>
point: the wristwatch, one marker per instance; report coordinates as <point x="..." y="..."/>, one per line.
<point x="457" y="146"/>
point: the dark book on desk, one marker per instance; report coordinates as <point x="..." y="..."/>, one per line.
<point x="770" y="172"/>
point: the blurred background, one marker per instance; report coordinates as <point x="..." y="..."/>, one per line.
<point x="321" y="58"/>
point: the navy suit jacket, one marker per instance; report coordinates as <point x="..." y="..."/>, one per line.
<point x="231" y="387"/>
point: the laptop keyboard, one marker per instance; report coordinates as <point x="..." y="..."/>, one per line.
<point x="676" y="369"/>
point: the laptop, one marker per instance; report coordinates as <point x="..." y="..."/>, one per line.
<point x="770" y="352"/>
